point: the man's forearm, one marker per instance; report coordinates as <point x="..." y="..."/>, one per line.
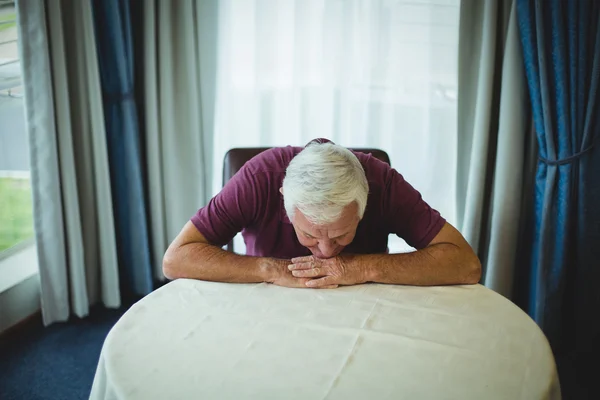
<point x="211" y="263"/>
<point x="438" y="264"/>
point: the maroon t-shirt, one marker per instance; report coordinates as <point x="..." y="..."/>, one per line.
<point x="252" y="204"/>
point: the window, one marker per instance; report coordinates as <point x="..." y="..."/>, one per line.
<point x="364" y="73"/>
<point x="16" y="212"/>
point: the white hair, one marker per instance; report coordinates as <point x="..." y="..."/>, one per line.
<point x="323" y="179"/>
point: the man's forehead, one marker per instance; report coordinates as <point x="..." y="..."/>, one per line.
<point x="335" y="229"/>
<point x="324" y="231"/>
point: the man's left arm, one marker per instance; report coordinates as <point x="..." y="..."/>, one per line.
<point x="447" y="260"/>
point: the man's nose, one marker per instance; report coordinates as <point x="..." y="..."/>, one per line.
<point x="327" y="248"/>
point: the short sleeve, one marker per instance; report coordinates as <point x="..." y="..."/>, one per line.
<point x="407" y="214"/>
<point x="234" y="208"/>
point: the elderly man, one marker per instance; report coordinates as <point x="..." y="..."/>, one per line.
<point x="319" y="217"/>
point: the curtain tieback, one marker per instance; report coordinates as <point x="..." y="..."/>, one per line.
<point x="569" y="159"/>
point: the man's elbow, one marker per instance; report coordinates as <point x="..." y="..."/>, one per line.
<point x="169" y="266"/>
<point x="473" y="270"/>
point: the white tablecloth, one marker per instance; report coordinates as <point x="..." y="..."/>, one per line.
<point x="202" y="340"/>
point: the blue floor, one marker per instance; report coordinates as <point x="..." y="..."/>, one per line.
<point x="58" y="362"/>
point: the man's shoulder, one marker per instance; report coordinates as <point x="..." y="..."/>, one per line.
<point x="274" y="160"/>
<point x="377" y="171"/>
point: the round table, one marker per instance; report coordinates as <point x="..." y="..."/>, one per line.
<point x="204" y="340"/>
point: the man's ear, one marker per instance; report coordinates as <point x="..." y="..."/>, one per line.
<point x="281" y="190"/>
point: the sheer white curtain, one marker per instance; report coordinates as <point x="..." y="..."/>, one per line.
<point x="377" y="73"/>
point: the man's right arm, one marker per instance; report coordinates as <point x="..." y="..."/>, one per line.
<point x="192" y="256"/>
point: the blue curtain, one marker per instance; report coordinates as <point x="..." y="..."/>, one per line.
<point x="116" y="62"/>
<point x="561" y="48"/>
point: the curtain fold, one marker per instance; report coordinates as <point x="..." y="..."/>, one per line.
<point x="561" y="51"/>
<point x="179" y="82"/>
<point x="73" y="211"/>
<point x="116" y="63"/>
<point x="492" y="134"/>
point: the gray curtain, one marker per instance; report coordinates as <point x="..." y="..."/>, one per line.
<point x="179" y="58"/>
<point x="69" y="163"/>
<point x="493" y="137"/>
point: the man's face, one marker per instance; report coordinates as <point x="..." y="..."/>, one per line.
<point x="327" y="241"/>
